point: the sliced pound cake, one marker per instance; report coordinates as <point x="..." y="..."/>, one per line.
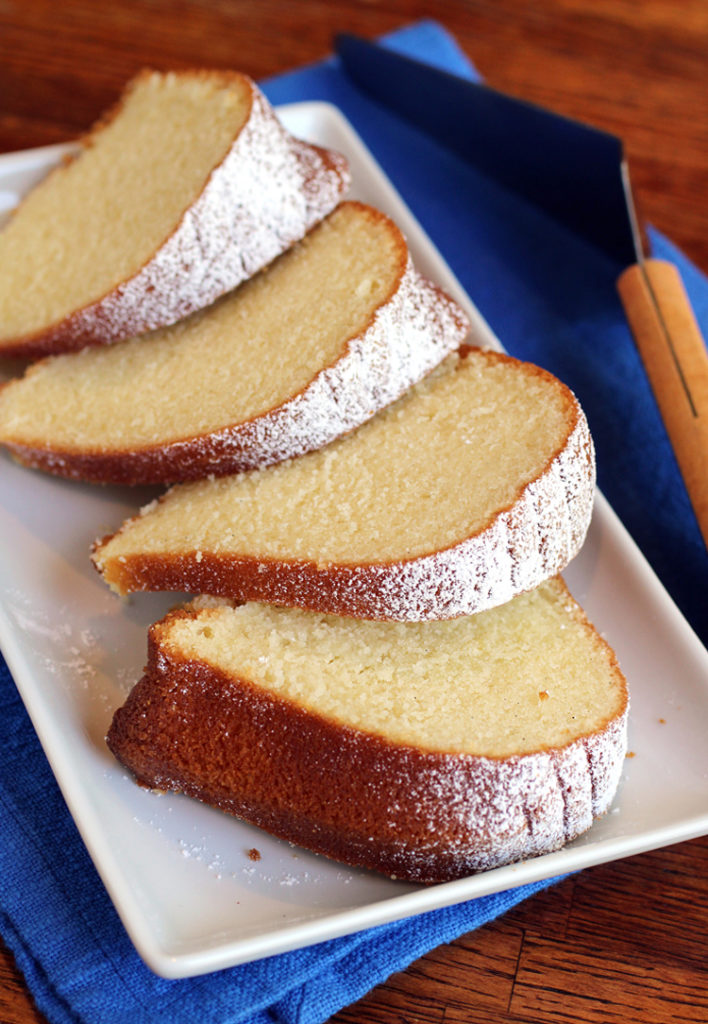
<point x="452" y="747"/>
<point x="185" y="189"/>
<point x="475" y="486"/>
<point x="336" y="328"/>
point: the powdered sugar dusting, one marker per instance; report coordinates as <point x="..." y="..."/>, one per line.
<point x="409" y="333"/>
<point x="522" y="547"/>
<point x="495" y="812"/>
<point x="408" y="336"/>
<point x="269" y="190"/>
<point x="409" y="812"/>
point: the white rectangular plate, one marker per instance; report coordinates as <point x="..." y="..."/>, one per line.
<point x="179" y="873"/>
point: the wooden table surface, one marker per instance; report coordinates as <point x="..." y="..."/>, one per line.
<point x="624" y="942"/>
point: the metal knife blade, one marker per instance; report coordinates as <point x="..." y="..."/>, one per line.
<point x="579" y="176"/>
<point x="575" y="172"/>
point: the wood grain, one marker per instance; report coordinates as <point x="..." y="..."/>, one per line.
<point x="622" y="942"/>
<point x="619" y="942"/>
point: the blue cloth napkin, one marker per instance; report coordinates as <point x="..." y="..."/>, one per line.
<point x="550" y="299"/>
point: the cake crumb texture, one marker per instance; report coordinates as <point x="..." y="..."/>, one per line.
<point x="432" y="736"/>
<point x="333" y="330"/>
<point x="187" y="187"/>
<point x="476" y="485"/>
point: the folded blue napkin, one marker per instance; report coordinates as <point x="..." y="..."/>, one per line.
<point x="550" y="299"/>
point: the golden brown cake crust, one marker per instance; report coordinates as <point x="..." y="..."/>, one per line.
<point x="354" y="796"/>
<point x="196" y="264"/>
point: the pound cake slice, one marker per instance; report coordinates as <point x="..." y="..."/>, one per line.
<point x="475" y="486"/>
<point x="336" y="328"/>
<point x="427" y="751"/>
<point x="185" y="189"/>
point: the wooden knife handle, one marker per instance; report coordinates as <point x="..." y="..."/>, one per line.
<point x="676" y="361"/>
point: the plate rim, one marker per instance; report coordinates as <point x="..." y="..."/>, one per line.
<point x="353" y="919"/>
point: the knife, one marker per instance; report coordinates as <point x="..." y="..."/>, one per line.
<point x="577" y="174"/>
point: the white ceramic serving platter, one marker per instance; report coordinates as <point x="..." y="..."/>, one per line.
<point x="179" y="873"/>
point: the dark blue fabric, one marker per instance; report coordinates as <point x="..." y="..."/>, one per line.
<point x="80" y="965"/>
<point x="549" y="298"/>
